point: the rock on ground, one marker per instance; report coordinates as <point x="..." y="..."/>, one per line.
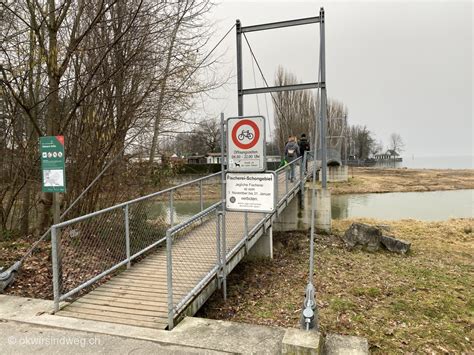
<point x="372" y="239"/>
<point x="395" y="245"/>
<point x="363" y="235"/>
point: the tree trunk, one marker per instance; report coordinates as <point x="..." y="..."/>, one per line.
<point x="46" y="201"/>
<point x="156" y="127"/>
<point x="25" y="210"/>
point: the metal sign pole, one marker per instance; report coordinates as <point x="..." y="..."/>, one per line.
<point x="240" y="96"/>
<point x="223" y="193"/>
<point x="309" y="315"/>
<point x="323" y="115"/>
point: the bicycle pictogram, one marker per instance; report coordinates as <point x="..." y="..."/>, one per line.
<point x="245" y="134"/>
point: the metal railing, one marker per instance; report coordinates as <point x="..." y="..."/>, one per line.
<point x="88" y="248"/>
<point x="91" y="247"/>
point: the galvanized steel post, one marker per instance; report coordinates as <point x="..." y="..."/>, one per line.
<point x="323" y="115"/>
<point x="171" y="207"/>
<point x="201" y="199"/>
<point x="223" y="197"/>
<point x="54" y="255"/>
<point x="240" y="96"/>
<point x="127" y="235"/>
<point x="169" y="278"/>
<point x="218" y="247"/>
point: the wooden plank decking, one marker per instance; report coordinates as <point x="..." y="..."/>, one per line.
<point x="138" y="296"/>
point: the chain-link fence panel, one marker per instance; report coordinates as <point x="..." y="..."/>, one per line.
<point x="195" y="257"/>
<point x="88" y="247"/>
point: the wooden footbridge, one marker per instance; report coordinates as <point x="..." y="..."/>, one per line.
<point x="157" y="285"/>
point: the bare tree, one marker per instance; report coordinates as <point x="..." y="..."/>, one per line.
<point x="202" y="139"/>
<point x="361" y="142"/>
<point x="376" y="148"/>
<point x="297" y="112"/>
<point x="396" y="143"/>
<point x="97" y="73"/>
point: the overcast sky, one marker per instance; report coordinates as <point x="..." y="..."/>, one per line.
<point x="402" y="66"/>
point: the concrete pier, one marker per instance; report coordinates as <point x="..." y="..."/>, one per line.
<point x="292" y="218"/>
<point x="297" y="217"/>
<point x="263" y="248"/>
<point x="337" y="173"/>
<point x="323" y="209"/>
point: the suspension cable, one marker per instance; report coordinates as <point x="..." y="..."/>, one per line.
<point x="263" y="77"/>
<point x="255" y="83"/>
<point x="266" y="106"/>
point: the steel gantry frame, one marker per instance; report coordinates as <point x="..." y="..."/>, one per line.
<point x="309" y="317"/>
<point x="241" y="92"/>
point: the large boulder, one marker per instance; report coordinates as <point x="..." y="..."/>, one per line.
<point x="360" y="235"/>
<point x="396" y="245"/>
<point x="364" y="236"/>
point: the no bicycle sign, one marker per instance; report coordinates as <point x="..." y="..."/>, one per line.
<point x="246" y="144"/>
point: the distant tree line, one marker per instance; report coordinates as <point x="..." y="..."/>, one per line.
<point x="296" y="112"/>
<point x="97" y="72"/>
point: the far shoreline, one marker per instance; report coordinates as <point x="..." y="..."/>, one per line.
<point x="385" y="180"/>
<point x="366" y="180"/>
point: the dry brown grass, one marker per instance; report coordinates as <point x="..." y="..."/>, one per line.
<point x="370" y="180"/>
<point x="419" y="303"/>
<point x="367" y="180"/>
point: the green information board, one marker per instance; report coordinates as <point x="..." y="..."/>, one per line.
<point x="52" y="164"/>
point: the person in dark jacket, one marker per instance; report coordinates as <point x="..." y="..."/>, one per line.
<point x="292" y="152"/>
<point x="304" y="147"/>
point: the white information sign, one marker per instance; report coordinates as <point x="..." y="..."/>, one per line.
<point x="250" y="192"/>
<point x="246" y="144"/>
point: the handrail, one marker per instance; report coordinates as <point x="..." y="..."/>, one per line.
<point x="154" y="194"/>
<point x="138" y="199"/>
<point x="286" y="166"/>
<point x="182" y="225"/>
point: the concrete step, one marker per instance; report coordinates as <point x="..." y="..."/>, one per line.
<point x="335" y="344"/>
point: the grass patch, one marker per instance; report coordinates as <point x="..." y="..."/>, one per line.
<point x="367" y="291"/>
<point x="421" y="303"/>
<point x="341" y="305"/>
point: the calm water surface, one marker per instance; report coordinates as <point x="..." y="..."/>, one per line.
<point x="431" y="206"/>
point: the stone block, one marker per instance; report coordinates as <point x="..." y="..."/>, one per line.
<point x="301" y="342"/>
<point x="395" y="245"/>
<point x="363" y="235"/>
<point x="335" y="344"/>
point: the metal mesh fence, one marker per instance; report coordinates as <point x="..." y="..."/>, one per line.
<point x="194" y="255"/>
<point x="88" y="247"/>
<point x="182" y="223"/>
<point x="288" y="177"/>
<point x="148" y="221"/>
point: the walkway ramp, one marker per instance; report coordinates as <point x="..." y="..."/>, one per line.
<point x="179" y="258"/>
<point x="138" y="296"/>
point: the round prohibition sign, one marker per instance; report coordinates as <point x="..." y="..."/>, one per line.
<point x="235" y="134"/>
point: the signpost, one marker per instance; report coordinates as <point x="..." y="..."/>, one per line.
<point x="251" y="192"/>
<point x="248" y="187"/>
<point x="52" y="164"/>
<point x="246" y="144"/>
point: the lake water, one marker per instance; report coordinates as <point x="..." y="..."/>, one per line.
<point x="454" y="162"/>
<point x="431" y="206"/>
